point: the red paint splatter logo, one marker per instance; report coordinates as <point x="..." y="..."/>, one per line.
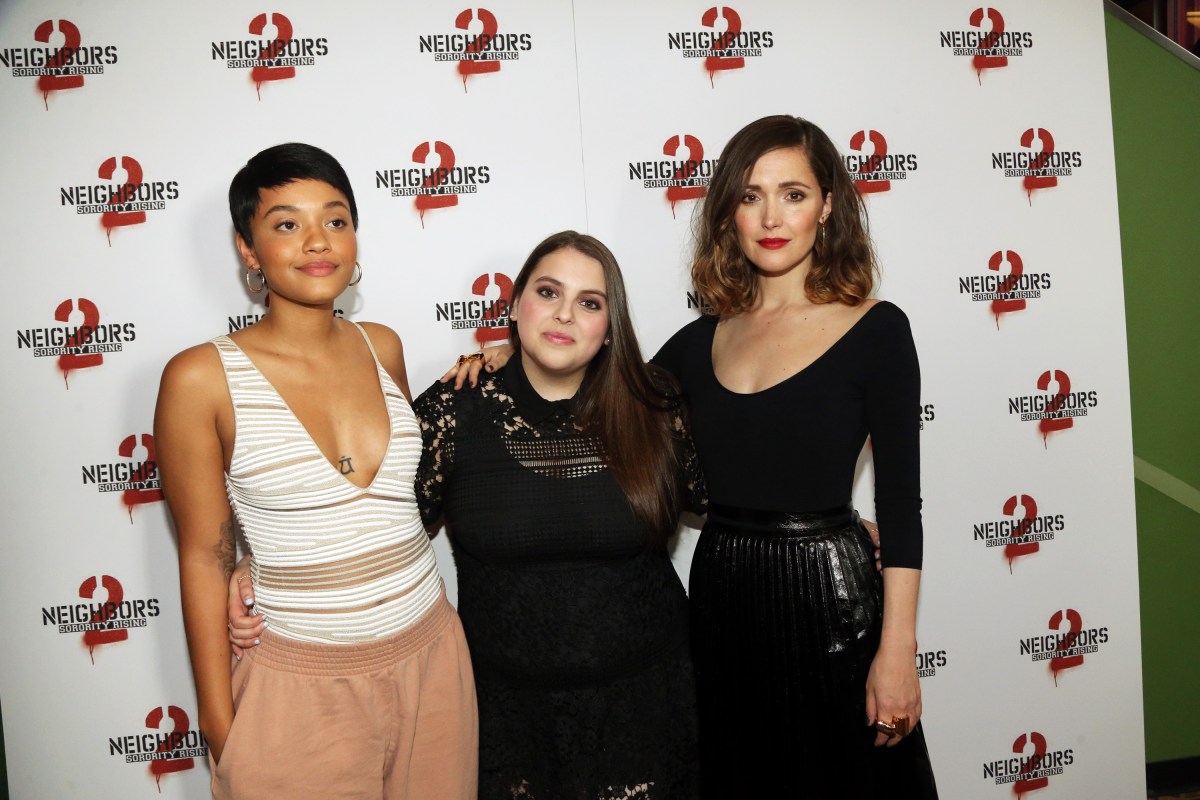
<point x="1039" y="164"/>
<point x="872" y="166"/>
<point x="136" y="479"/>
<point x="986" y="41"/>
<point x="721" y="40"/>
<point x="684" y="174"/>
<point x="435" y="179"/>
<point x="168" y="743"/>
<point x="106" y="616"/>
<point x="1006" y="287"/>
<point x="1056" y="410"/>
<point x="63" y="63"/>
<point x="1029" y="765"/>
<point x="275" y="52"/>
<point x="125" y="197"/>
<point x="479" y="45"/>
<point x="81" y="342"/>
<point x="485" y="312"/>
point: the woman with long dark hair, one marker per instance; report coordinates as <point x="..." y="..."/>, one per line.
<point x="561" y="477"/>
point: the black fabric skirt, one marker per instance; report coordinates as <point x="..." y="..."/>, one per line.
<point x="786" y="613"/>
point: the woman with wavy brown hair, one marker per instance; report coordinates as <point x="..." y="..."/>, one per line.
<point x="806" y="679"/>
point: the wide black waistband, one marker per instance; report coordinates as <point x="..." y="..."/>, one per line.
<point x="803" y="522"/>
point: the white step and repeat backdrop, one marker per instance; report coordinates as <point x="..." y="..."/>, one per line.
<point x="981" y="137"/>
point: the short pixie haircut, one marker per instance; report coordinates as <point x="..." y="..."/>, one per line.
<point x="277" y="166"/>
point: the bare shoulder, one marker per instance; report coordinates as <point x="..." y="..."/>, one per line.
<point x="390" y="351"/>
<point x="192" y="391"/>
<point x="197" y="369"/>
<point x="386" y="342"/>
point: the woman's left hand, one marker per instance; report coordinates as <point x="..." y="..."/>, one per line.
<point x="893" y="691"/>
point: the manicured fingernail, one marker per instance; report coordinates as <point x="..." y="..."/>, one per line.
<point x="248" y="601"/>
<point x="256" y="642"/>
<point x="266" y="624"/>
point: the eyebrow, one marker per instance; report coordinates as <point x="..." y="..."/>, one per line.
<point x="296" y="209"/>
<point x="560" y="285"/>
<point x="783" y="185"/>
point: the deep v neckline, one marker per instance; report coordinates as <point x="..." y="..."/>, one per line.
<point x="380" y="376"/>
<point x="712" y="364"/>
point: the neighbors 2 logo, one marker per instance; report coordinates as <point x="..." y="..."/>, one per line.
<point x="119" y="204"/>
<point x="872" y="167"/>
<point x="63" y="67"/>
<point x="433" y="187"/>
<point x="685" y="174"/>
<point x="722" y="43"/>
<point x="479" y="53"/>
<point x="1039" y="164"/>
<point x="173" y="750"/>
<point x="77" y="346"/>
<point x="1026" y="770"/>
<point x="277" y="58"/>
<point x="989" y="44"/>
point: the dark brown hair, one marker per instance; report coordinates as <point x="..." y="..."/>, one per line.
<point x="843" y="264"/>
<point x="623" y="402"/>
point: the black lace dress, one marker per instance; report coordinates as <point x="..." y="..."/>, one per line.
<point x="578" y="630"/>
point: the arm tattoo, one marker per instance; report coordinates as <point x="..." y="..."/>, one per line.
<point x="226" y="548"/>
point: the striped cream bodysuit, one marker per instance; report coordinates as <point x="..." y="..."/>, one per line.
<point x="333" y="562"/>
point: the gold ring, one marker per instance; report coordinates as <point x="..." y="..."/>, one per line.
<point x="898" y="726"/>
<point x="241" y="578"/>
<point x="477" y="356"/>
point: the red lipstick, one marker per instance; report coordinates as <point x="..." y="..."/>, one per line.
<point x="772" y="244"/>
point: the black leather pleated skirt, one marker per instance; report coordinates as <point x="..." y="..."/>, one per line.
<point x="786" y="614"/>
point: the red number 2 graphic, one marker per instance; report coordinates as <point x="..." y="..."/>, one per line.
<point x="1040" y="161"/>
<point x="91" y="318"/>
<point x="125" y="193"/>
<point x="1016" y="270"/>
<point x="1034" y="762"/>
<point x="1056" y="404"/>
<point x="166" y="764"/>
<point x="497" y="310"/>
<point x="443" y="198"/>
<point x="473" y="63"/>
<point x="1059" y="663"/>
<point x="147" y="471"/>
<point x="688" y="171"/>
<point x="106" y="614"/>
<point x="58" y="62"/>
<point x="989" y="41"/>
<point x="1022" y="528"/>
<point x="874" y="161"/>
<point x="725" y="41"/>
<point x="272" y="51"/>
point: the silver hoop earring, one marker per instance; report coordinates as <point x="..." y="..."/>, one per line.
<point x="262" y="281"/>
<point x="358" y="273"/>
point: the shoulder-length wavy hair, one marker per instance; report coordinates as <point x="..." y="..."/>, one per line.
<point x="623" y="401"/>
<point x="843" y="265"/>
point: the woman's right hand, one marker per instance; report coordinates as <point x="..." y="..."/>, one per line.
<point x="494" y="358"/>
<point x="244" y="628"/>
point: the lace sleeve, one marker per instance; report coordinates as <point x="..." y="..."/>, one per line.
<point x="694" y="492"/>
<point x="435" y="409"/>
